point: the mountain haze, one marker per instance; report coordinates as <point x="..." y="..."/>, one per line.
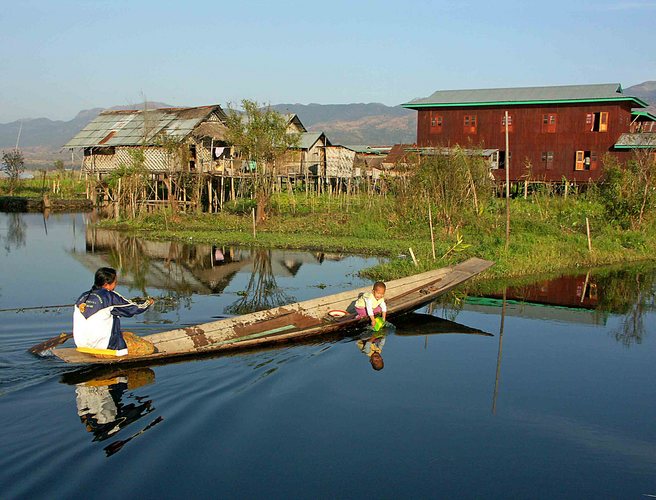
<point x="373" y="124"/>
<point x="645" y="91"/>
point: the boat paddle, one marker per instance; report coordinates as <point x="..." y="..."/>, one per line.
<point x="46" y="345"/>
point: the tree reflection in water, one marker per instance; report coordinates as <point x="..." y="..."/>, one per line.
<point x="631" y="293"/>
<point x="262" y="291"/>
<point x="16" y="232"/>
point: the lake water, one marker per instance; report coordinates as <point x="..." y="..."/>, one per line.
<point x="559" y="402"/>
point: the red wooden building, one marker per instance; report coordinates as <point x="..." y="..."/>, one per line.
<point x="554" y="132"/>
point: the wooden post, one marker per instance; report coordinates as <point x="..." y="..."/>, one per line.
<point x="587" y="229"/>
<point x="430" y="223"/>
<point x="209" y="195"/>
<point x="585" y="286"/>
<point x="414" y="259"/>
<point x="507" y="186"/>
<point x="254" y="236"/>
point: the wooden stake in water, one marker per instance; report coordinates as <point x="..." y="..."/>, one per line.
<point x="254" y="223"/>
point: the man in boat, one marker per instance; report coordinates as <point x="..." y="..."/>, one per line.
<point x="96" y="316"/>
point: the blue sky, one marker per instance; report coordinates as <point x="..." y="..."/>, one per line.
<point x="59" y="57"/>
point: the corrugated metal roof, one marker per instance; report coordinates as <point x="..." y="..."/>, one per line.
<point x="524" y="95"/>
<point x="139" y="127"/>
<point x="642" y="140"/>
<point x="364" y="149"/>
<point x="309" y="139"/>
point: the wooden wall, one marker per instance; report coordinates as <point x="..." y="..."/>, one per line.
<point x="529" y="139"/>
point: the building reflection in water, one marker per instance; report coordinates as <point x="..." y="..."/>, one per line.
<point x="588" y="298"/>
<point x="107" y="404"/>
<point x="184" y="269"/>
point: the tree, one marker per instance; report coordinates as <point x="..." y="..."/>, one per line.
<point x="59" y="166"/>
<point x="260" y="134"/>
<point x="453" y="181"/>
<point x="12" y="164"/>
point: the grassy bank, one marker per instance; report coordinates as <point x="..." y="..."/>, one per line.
<point x="57" y="185"/>
<point x="548" y="233"/>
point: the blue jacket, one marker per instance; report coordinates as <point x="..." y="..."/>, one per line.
<point x="96" y="319"/>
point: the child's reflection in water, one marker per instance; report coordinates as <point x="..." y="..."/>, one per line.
<point x="372" y="348"/>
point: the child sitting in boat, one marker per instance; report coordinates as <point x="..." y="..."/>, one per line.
<point x="372" y="303"/>
<point x="96" y="323"/>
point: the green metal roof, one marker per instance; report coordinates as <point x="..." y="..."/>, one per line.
<point x="642" y="140"/>
<point x="646" y="114"/>
<point x="604" y="92"/>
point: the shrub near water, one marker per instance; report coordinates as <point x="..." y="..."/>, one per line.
<point x="629" y="193"/>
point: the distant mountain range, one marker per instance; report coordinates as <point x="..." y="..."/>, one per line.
<point x="645" y="91"/>
<point x="373" y="124"/>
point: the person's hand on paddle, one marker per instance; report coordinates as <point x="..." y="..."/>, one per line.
<point x="151" y="301"/>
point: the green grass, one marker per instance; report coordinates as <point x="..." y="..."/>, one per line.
<point x="548" y="234"/>
<point x="70" y="186"/>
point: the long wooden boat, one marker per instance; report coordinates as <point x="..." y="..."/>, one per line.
<point x="298" y="320"/>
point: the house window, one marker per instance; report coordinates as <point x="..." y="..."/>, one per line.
<point x="586" y="160"/>
<point x="549" y="123"/>
<point x="597" y="122"/>
<point x="469" y="124"/>
<point x="435" y="123"/>
<point x="494" y="160"/>
<point x="547" y="159"/>
<point x="503" y="123"/>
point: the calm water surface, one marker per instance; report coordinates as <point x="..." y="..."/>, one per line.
<point x="558" y="403"/>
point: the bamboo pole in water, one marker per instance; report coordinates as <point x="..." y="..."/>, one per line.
<point x="499" y="353"/>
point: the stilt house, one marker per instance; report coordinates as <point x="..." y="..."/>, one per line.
<point x="172" y="140"/>
<point x="553" y="132"/>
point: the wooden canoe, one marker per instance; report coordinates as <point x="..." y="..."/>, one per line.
<point x="293" y="321"/>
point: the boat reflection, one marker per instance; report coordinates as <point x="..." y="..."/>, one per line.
<point x="419" y="324"/>
<point x="106" y="403"/>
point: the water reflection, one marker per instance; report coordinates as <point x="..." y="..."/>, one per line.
<point x="372" y="347"/>
<point x="184" y="269"/>
<point x="262" y="291"/>
<point x="420" y="324"/>
<point x="106" y="403"/>
<point x="588" y="298"/>
<point x="16" y="232"/>
<point x="630" y="293"/>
